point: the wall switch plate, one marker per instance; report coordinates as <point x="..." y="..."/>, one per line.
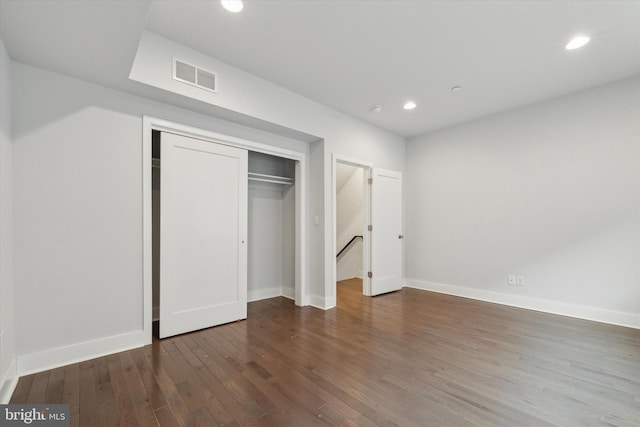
<point x="520" y="280"/>
<point x="511" y="279"/>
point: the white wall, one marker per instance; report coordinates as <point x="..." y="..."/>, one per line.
<point x="550" y="192"/>
<point x="78" y="213"/>
<point x="7" y="310"/>
<point x="349" y="223"/>
<point x="265" y="276"/>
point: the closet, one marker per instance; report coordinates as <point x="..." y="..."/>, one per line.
<point x="223" y="231"/>
<point x="271" y="227"/>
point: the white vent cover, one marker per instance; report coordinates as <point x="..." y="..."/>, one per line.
<point x="193" y="75"/>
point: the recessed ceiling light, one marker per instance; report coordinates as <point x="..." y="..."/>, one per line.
<point x="577" y="42"/>
<point x="410" y="105"/>
<point x="234" y="6"/>
<point x="455" y="88"/>
<point x="376" y="108"/>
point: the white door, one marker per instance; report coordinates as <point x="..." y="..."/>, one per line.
<point x="203" y="234"/>
<point x="386" y="235"/>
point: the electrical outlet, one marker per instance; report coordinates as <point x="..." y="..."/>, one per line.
<point x="520" y="280"/>
<point x="511" y="279"/>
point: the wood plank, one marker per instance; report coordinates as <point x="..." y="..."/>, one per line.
<point x="106" y="405"/>
<point x="123" y="400"/>
<point x="137" y="391"/>
<point x="89" y="415"/>
<point x="165" y="417"/>
<point x="22" y="389"/>
<point x="167" y="387"/>
<point x="153" y="390"/>
<point x="38" y="387"/>
<point x="71" y="392"/>
<point x="55" y="388"/>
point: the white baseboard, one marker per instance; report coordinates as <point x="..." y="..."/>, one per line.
<point x="9" y="383"/>
<point x="321" y="302"/>
<point x="554" y="307"/>
<point x="74" y="353"/>
<point x="259" y="294"/>
<point x="289" y="293"/>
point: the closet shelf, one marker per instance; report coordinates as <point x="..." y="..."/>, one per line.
<point x="270" y="178"/>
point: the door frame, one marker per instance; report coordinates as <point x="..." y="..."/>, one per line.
<point x="150" y="124"/>
<point x="366" y="235"/>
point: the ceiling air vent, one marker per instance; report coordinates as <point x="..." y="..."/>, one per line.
<point x="194" y="75"/>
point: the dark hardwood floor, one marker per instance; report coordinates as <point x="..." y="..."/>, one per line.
<point x="406" y="358"/>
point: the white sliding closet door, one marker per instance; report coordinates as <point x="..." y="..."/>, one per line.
<point x="203" y="234"/>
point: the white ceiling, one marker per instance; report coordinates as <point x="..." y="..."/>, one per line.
<point x="351" y="55"/>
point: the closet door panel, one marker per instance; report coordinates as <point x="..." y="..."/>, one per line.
<point x="203" y="256"/>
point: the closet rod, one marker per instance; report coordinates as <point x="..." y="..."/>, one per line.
<point x="273" y="181"/>
<point x="270" y="178"/>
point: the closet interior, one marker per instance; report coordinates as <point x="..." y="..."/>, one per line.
<point x="270" y="226"/>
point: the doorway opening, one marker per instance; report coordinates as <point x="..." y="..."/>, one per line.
<point x="351" y="220"/>
<point x="382" y="236"/>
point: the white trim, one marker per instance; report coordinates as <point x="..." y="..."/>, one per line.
<point x="151" y="123"/>
<point x="322" y="303"/>
<point x="351" y="161"/>
<point x="300" y="269"/>
<point x="366" y="235"/>
<point x="147" y="232"/>
<point x="260" y="294"/>
<point x="289" y="293"/>
<point x="74" y="353"/>
<point x="9" y="383"/>
<point x="619" y="318"/>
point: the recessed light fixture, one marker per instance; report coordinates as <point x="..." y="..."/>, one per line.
<point x="577" y="42"/>
<point x="455" y="88"/>
<point x="234" y="6"/>
<point x="409" y="105"/>
<point x="376" y="108"/>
